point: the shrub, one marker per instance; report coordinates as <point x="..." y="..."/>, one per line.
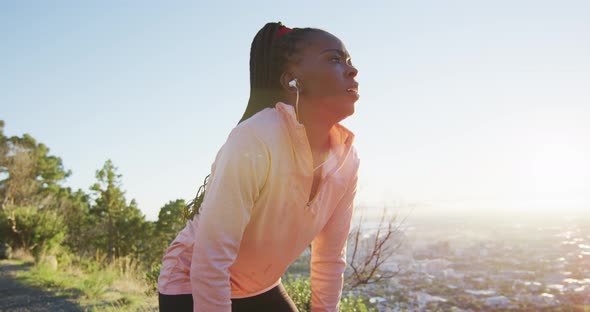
<point x="351" y="304"/>
<point x="151" y="278"/>
<point x="299" y="289"/>
<point x="95" y="284"/>
<point x="28" y="227"/>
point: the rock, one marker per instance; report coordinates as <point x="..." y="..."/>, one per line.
<point x="5" y="251"/>
<point x="50" y="262"/>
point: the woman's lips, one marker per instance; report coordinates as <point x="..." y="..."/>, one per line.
<point x="353" y="91"/>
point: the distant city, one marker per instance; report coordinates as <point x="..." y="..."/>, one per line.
<point x="484" y="263"/>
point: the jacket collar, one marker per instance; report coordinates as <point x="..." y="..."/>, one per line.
<point x="341" y="139"/>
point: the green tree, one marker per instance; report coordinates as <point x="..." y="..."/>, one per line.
<point x="170" y="220"/>
<point x="119" y="227"/>
<point x="30" y="194"/>
<point x="30" y="176"/>
<point x="75" y="209"/>
<point x="163" y="231"/>
<point x="133" y="233"/>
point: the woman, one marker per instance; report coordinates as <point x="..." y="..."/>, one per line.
<point x="286" y="177"/>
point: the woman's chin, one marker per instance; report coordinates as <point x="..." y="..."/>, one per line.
<point x="340" y="106"/>
<point x="345" y="108"/>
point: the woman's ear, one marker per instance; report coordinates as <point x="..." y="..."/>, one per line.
<point x="286" y="78"/>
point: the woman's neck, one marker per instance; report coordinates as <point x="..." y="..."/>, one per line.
<point x="318" y="135"/>
<point x="317" y="126"/>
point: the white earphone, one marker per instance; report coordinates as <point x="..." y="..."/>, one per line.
<point x="293" y="83"/>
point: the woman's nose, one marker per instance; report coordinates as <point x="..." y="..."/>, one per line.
<point x="352" y="71"/>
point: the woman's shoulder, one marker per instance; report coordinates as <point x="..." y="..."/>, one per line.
<point x="264" y="125"/>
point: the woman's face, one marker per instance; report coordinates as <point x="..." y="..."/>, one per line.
<point x="326" y="77"/>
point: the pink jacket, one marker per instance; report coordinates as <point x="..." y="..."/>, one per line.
<point x="255" y="218"/>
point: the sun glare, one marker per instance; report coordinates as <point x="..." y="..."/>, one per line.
<point x="560" y="168"/>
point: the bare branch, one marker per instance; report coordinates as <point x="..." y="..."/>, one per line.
<point x="370" y="255"/>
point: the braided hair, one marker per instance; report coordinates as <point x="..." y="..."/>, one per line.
<point x="269" y="57"/>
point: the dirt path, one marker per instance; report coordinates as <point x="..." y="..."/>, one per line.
<point x="16" y="297"/>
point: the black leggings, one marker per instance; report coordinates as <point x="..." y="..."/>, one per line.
<point x="274" y="300"/>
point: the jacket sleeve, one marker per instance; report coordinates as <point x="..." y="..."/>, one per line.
<point x="237" y="176"/>
<point x="328" y="255"/>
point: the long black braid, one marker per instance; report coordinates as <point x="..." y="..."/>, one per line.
<point x="269" y="56"/>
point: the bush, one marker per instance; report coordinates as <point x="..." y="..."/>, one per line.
<point x="299" y="289"/>
<point x="28" y="227"/>
<point x="95" y="284"/>
<point x="151" y="278"/>
<point x="351" y="304"/>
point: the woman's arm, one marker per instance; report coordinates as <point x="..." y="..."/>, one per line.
<point x="328" y="256"/>
<point x="237" y="176"/>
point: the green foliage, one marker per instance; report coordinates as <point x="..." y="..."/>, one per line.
<point x="39" y="231"/>
<point x="151" y="278"/>
<point x="92" y="284"/>
<point x="127" y="302"/>
<point x="299" y="289"/>
<point x="32" y="176"/>
<point x="44" y="277"/>
<point x="170" y="220"/>
<point x="38" y="215"/>
<point x="350" y="304"/>
<point x="95" y="284"/>
<point x="119" y="228"/>
<point x="74" y="207"/>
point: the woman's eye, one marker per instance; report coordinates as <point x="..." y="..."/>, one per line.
<point x="336" y="58"/>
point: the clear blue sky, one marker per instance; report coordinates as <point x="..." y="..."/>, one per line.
<point x="465" y="105"/>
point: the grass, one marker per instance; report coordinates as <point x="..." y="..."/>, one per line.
<point x="94" y="285"/>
